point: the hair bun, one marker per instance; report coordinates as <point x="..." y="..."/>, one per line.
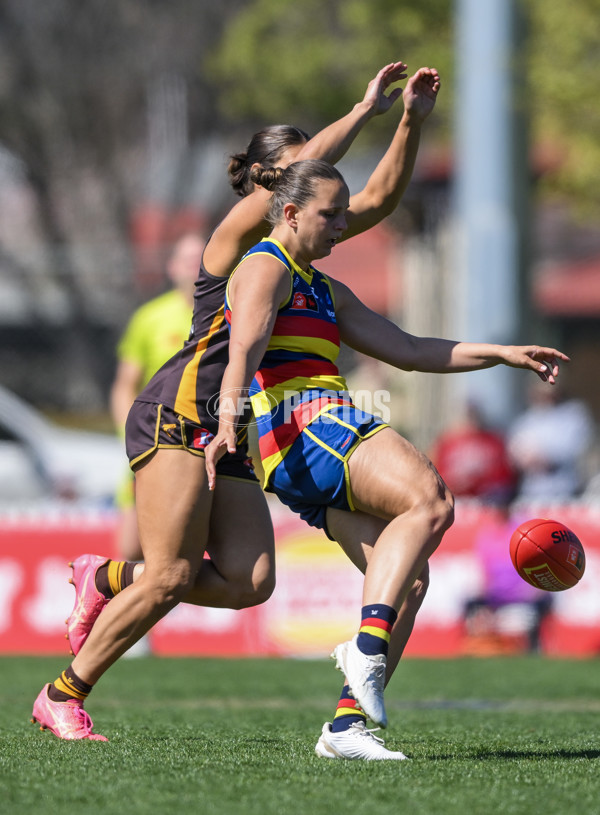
<point x="267" y="177"/>
<point x="236" y="170"/>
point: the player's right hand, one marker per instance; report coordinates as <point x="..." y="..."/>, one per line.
<point x="224" y="442"/>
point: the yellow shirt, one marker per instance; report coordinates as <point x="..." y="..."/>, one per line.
<point x="155" y="332"/>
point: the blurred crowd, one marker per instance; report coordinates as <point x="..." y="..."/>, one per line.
<point x="545" y="458"/>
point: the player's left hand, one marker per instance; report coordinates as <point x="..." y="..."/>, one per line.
<point x="421" y="92"/>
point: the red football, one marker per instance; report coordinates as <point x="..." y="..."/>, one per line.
<point x="547" y="554"/>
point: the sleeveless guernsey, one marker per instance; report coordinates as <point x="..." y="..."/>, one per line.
<point x="189" y="382"/>
<point x="298" y="379"/>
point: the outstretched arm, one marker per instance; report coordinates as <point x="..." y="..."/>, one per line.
<point x="388" y="182"/>
<point x="374" y="335"/>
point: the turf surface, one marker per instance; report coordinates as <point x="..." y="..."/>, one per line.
<point x="501" y="735"/>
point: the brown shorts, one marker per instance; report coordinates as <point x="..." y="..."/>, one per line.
<point x="153" y="427"/>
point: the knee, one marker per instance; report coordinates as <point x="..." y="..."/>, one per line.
<point x="438" y="503"/>
<point x="435" y="510"/>
<point x="254" y="596"/>
<point x="255" y="589"/>
<point x="263" y="583"/>
<point x="170" y="584"/>
<point x="251" y="585"/>
<point x="443" y="512"/>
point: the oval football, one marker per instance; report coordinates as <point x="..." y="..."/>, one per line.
<point x="547" y="554"/>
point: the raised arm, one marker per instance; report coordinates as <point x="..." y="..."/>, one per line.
<point x="374" y="335"/>
<point x="388" y="182"/>
<point x="245" y="224"/>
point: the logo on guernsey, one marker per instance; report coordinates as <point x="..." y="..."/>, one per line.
<point x="299" y="301"/>
<point x="304" y="301"/>
<point x="201" y="438"/>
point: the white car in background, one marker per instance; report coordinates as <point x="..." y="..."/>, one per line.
<point x="40" y="460"/>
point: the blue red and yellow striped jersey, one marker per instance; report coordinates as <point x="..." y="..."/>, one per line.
<point x="297" y="379"/>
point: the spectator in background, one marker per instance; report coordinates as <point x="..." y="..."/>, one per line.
<point x="473" y="459"/>
<point x="155" y="332"/>
<point x="548" y="444"/>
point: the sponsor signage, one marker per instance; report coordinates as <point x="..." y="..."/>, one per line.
<point x="316" y="603"/>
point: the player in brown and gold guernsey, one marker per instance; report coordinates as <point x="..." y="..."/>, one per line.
<point x="179" y="519"/>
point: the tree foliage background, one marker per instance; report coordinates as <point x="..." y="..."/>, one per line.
<point x="332" y="47"/>
<point x="321" y="53"/>
<point x="109" y="104"/>
<point x="564" y="43"/>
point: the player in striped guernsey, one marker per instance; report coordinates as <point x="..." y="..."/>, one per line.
<point x="325" y="459"/>
<point x="178" y="518"/>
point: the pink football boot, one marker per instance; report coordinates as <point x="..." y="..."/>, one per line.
<point x="88" y="600"/>
<point x="67" y="720"/>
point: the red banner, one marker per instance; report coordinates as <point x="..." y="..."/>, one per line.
<point x="318" y="596"/>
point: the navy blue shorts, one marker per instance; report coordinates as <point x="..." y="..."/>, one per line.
<point x="314" y="472"/>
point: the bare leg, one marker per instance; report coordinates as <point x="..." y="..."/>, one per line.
<point x="174" y="505"/>
<point x="393" y="481"/>
<point x="357" y="533"/>
<point x="241" y="569"/>
<point x="405" y="623"/>
<point x="241" y="546"/>
<point x="128" y="542"/>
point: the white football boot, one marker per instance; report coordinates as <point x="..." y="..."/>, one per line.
<point x="366" y="678"/>
<point x="355" y="743"/>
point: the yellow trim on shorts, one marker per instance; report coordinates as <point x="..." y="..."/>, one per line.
<point x="156" y="446"/>
<point x="322" y="444"/>
<point x="243" y="434"/>
<point x="346" y="468"/>
<point x="344" y="459"/>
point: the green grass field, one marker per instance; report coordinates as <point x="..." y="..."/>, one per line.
<point x="502" y="735"/>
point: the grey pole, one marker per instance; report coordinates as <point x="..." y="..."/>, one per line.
<point x="487" y="190"/>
